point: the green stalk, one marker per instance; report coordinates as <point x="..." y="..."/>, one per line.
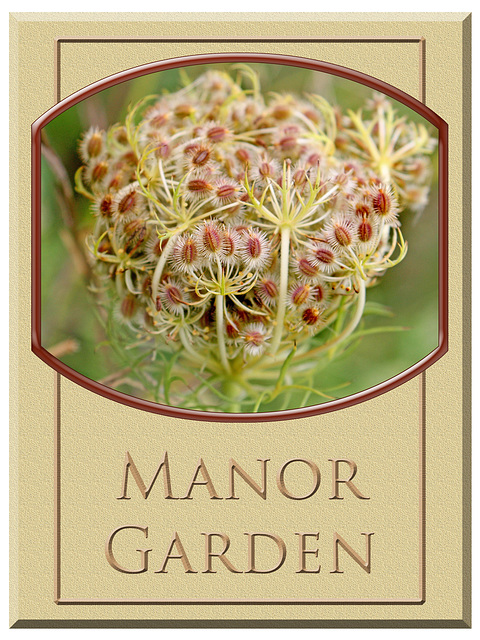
<point x="188" y="347"/>
<point x="283" y="289"/>
<point x="219" y="302"/>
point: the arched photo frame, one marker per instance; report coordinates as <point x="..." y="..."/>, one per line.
<point x="95" y="386"/>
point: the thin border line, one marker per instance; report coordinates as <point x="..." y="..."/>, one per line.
<point x="57" y="480"/>
<point x="59" y="41"/>
<point x="422" y="380"/>
<point x="423" y="482"/>
<point x="422" y="70"/>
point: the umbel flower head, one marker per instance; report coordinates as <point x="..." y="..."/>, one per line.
<point x="235" y="233"/>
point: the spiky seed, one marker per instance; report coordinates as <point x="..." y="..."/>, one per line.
<point x="217" y="134"/>
<point x="255" y="339"/>
<point x="99" y="171"/>
<point x="128" y="307"/>
<point x="365" y="231"/>
<point x="311" y="315"/>
<point x="95" y="144"/>
<point x="105" y="206"/>
<point x="307" y="268"/>
<point x="300" y="294"/>
<point x="184" y="110"/>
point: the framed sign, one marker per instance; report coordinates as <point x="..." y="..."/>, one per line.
<point x="241" y="345"/>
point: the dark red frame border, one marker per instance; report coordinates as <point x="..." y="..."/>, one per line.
<point x="145" y="405"/>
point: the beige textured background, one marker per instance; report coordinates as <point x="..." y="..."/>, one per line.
<point x="92" y="478"/>
<point x="32" y="89"/>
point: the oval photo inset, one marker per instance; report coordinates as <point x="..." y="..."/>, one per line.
<point x="234" y="239"/>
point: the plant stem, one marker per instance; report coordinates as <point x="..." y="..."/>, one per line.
<point x="219" y="302"/>
<point x="282" y="294"/>
<point x="233" y="390"/>
<point x="188" y="347"/>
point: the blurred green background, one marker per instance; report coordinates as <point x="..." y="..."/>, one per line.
<point x="70" y="328"/>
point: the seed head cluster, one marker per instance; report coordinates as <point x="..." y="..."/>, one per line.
<point x="231" y="226"/>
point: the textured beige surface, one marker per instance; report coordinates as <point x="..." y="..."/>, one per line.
<point x="108" y="58"/>
<point x="86" y="495"/>
<point x="92" y="478"/>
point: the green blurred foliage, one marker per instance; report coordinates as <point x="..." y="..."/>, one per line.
<point x="410" y="290"/>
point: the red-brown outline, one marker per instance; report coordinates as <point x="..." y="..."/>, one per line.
<point x="306" y="63"/>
